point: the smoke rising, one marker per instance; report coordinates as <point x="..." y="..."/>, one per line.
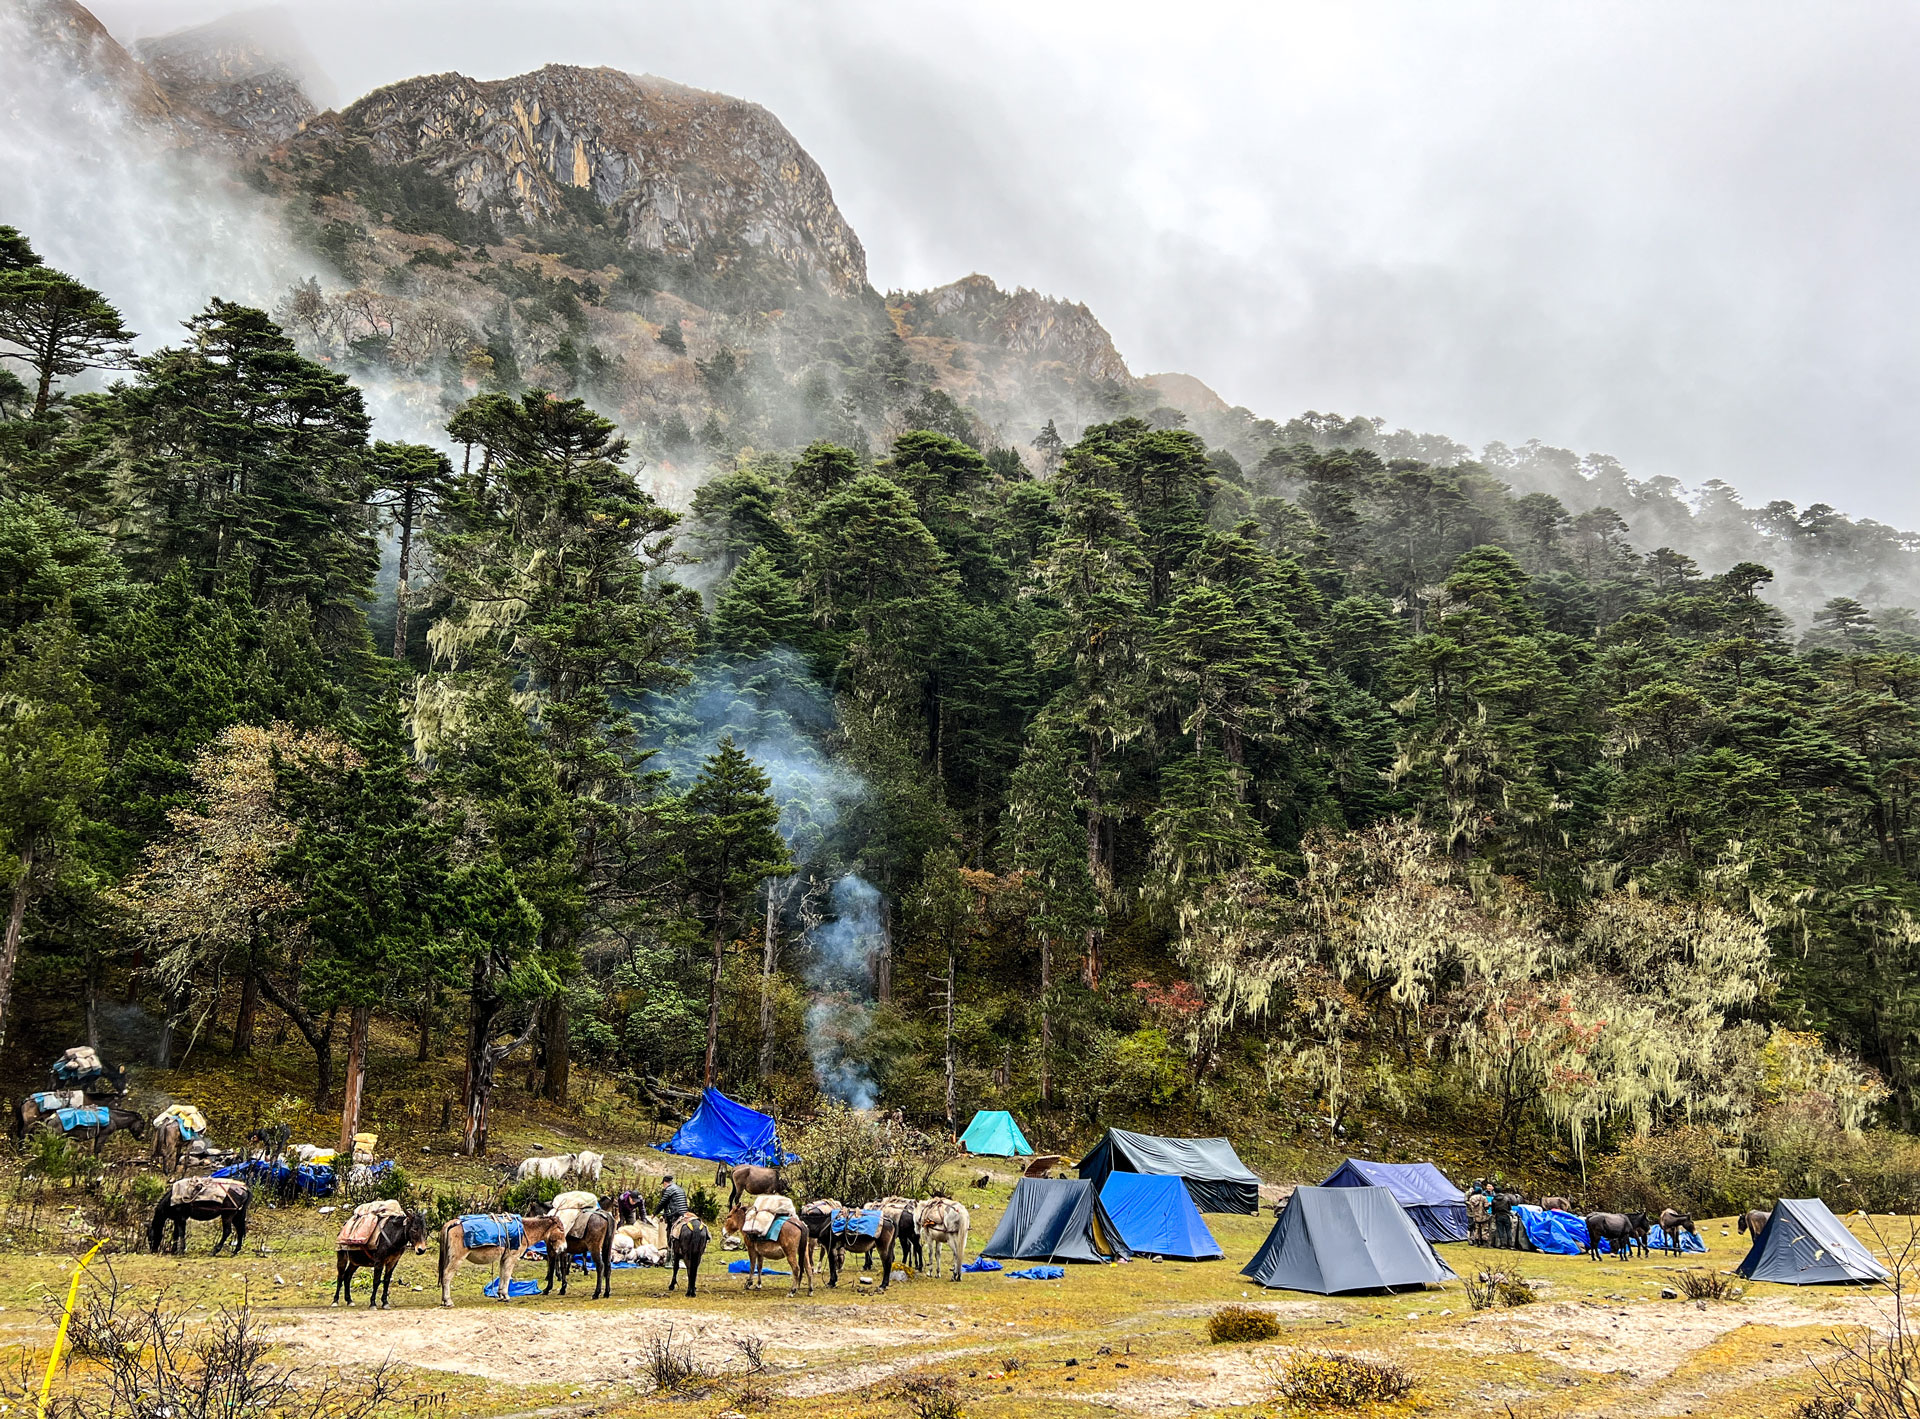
<point x="841" y="1013"/>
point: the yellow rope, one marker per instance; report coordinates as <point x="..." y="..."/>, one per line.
<point x="60" y="1339"/>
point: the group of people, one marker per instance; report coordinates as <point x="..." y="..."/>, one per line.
<point x="1490" y="1220"/>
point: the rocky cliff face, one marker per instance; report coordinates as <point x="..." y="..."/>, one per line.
<point x="1039" y="328"/>
<point x="692" y="175"/>
<point x="244" y="74"/>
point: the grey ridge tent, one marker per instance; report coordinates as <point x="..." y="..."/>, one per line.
<point x="1212" y="1171"/>
<point x="1333" y="1239"/>
<point x="1806" y="1244"/>
<point x="1055" y="1219"/>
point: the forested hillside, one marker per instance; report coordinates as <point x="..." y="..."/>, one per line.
<point x="1107" y="781"/>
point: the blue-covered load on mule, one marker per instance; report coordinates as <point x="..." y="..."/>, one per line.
<point x="79" y="1065"/>
<point x="71" y="1119"/>
<point x="858" y="1224"/>
<point x="481" y="1230"/>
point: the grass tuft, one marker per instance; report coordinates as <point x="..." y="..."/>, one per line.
<point x="931" y="1396"/>
<point x="1701" y="1285"/>
<point x="1331" y="1380"/>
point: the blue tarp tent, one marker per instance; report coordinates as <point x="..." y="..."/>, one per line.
<point x="1155" y="1216"/>
<point x="722" y="1131"/>
<point x="994" y="1134"/>
<point x="1556" y="1233"/>
<point x="1438" y="1208"/>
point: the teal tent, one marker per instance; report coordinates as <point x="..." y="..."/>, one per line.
<point x="994" y="1134"/>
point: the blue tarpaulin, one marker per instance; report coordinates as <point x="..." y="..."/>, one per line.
<point x="1689" y="1241"/>
<point x="314" y="1179"/>
<point x="71" y="1119"/>
<point x="982" y="1263"/>
<point x="741" y="1268"/>
<point x="858" y="1224"/>
<point x="478" y="1229"/>
<point x="518" y="1288"/>
<point x="1438" y="1208"/>
<point x="52" y="1103"/>
<point x="1556" y="1233"/>
<point x="1154" y="1214"/>
<point x="1038" y="1273"/>
<point x="994" y="1134"/>
<point x="722" y="1131"/>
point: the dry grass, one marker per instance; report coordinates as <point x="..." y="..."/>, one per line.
<point x="1233" y="1325"/>
<point x="1331" y="1380"/>
<point x="1698" y="1284"/>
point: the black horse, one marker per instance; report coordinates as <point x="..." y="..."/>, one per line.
<point x="687" y="1242"/>
<point x="1619" y="1230"/>
<point x="379" y="1256"/>
<point x="202" y="1200"/>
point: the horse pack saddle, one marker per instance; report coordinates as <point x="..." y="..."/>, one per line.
<point x="686" y="1223"/>
<point x="188" y="1191"/>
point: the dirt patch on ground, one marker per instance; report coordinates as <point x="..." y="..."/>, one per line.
<point x="529" y="1346"/>
<point x="1647" y="1341"/>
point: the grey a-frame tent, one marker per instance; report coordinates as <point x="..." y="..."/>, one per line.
<point x="1333" y="1239"/>
<point x="1055" y="1219"/>
<point x="1215" y="1177"/>
<point x="1805" y="1244"/>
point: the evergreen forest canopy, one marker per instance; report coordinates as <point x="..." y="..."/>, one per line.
<point x="1278" y="798"/>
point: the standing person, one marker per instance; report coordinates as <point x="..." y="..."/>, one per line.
<point x="1479" y="1215"/>
<point x="673" y="1201"/>
<point x="1503" y="1219"/>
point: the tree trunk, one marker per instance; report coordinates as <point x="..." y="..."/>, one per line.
<point x="1046" y="1021"/>
<point x="357" y="1025"/>
<point x="553" y="1026"/>
<point x="319" y="1040"/>
<point x="480" y="1085"/>
<point x="249" y="1009"/>
<point x="769" y="958"/>
<point x="400" y="586"/>
<point x="713" y="1003"/>
<point x="16" y="924"/>
<point x="1090" y="961"/>
<point x="953" y="1099"/>
<point x="883" y="959"/>
<point x="429" y="1006"/>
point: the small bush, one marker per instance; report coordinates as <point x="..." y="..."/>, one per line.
<point x="931" y="1396"/>
<point x="1825" y="1406"/>
<point x="1497" y="1288"/>
<point x="148" y="1188"/>
<point x="672" y="1366"/>
<point x="1335" y="1381"/>
<point x="1233" y="1325"/>
<point x="704" y="1202"/>
<point x="527" y="1193"/>
<point x="1700" y="1285"/>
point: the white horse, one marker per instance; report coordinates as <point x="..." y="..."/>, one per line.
<point x="940" y="1221"/>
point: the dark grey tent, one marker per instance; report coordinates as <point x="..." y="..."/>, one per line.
<point x="1805" y="1244"/>
<point x="1212" y="1171"/>
<point x="1333" y="1239"/>
<point x="1055" y="1219"/>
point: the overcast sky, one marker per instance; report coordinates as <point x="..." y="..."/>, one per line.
<point x="1684" y="235"/>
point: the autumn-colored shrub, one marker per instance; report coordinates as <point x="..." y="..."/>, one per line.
<point x="1238" y="1324"/>
<point x="1336" y="1381"/>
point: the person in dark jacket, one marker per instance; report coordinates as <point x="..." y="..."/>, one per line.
<point x="673" y="1201"/>
<point x="1503" y="1218"/>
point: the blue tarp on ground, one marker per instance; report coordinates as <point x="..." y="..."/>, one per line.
<point x="858" y="1224"/>
<point x="519" y="1288"/>
<point x="722" y="1131"/>
<point x="1438" y="1208"/>
<point x="1155" y="1215"/>
<point x="1689" y="1241"/>
<point x="994" y="1134"/>
<point x="982" y="1263"/>
<point x="478" y="1229"/>
<point x="313" y="1179"/>
<point x="1556" y="1233"/>
<point x="71" y="1119"/>
<point x="741" y="1268"/>
<point x="1038" y="1273"/>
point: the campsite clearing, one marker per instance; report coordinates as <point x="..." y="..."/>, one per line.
<point x="1127" y="1339"/>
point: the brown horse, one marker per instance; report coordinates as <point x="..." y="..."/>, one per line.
<point x="1756" y="1221"/>
<point x="793" y="1244"/>
<point x="1557" y="1204"/>
<point x="380" y="1256"/>
<point x="591" y="1236"/>
<point x="843" y="1242"/>
<point x="118" y="1121"/>
<point x="168" y="1146"/>
<point x="751" y="1181"/>
<point x="45" y="1104"/>
<point x="1673" y="1226"/>
<point x="454" y="1250"/>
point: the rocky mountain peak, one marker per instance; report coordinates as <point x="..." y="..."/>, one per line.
<point x="689" y="174"/>
<point x="1043" y="329"/>
<point x="248" y="73"/>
